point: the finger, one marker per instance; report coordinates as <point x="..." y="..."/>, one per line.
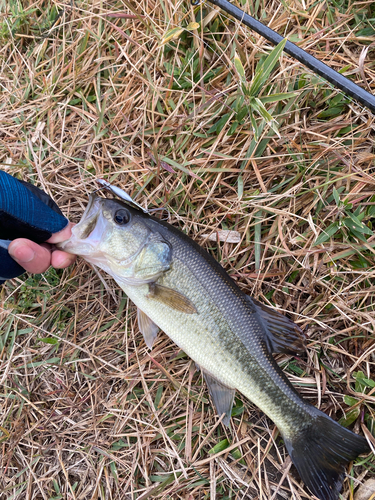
<point x="62" y="259"/>
<point x="31" y="256"/>
<point x="63" y="235"/>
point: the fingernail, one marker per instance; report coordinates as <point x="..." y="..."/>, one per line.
<point x="65" y="263"/>
<point x="22" y="253"/>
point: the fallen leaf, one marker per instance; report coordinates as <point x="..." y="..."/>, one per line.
<point x="171" y="35"/>
<point x="225" y="235"/>
<point x="366" y="491"/>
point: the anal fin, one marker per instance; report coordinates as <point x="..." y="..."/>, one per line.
<point x="222" y="396"/>
<point x="280" y="333"/>
<point x="147" y="327"/>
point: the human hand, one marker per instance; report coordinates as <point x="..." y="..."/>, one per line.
<point x="38" y="258"/>
<point x="30" y="223"/>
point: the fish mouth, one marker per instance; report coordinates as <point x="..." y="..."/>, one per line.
<point x="89" y="231"/>
<point x="90" y="221"/>
<point x="93" y="203"/>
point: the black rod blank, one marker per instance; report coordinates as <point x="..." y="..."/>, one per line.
<point x="301" y="55"/>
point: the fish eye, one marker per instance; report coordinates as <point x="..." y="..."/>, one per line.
<point x="121" y="217"/>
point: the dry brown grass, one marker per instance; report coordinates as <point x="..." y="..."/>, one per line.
<point x="86" y="412"/>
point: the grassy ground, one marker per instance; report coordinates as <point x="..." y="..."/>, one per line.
<point x="86" y="412"/>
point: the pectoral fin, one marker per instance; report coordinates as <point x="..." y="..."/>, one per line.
<point x="147" y="327"/>
<point x="222" y="396"/>
<point x="171" y="298"/>
<point x="280" y="333"/>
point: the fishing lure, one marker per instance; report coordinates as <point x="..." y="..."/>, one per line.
<point x="120" y="193"/>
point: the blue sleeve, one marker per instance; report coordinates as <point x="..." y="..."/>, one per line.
<point x="25" y="212"/>
<point x="8" y="267"/>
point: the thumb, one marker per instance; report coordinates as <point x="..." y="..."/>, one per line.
<point x="31" y="256"/>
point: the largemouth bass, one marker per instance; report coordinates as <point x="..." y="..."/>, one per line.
<point x="178" y="287"/>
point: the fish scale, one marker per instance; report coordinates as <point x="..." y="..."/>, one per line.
<point x="178" y="287"/>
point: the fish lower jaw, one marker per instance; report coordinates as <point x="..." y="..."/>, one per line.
<point x="72" y="247"/>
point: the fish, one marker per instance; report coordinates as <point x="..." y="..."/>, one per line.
<point x="178" y="287"/>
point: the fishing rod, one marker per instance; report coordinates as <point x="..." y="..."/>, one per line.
<point x="318" y="67"/>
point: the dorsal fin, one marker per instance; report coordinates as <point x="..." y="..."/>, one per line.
<point x="281" y="334"/>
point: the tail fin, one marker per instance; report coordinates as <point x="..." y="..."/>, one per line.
<point x="320" y="452"/>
